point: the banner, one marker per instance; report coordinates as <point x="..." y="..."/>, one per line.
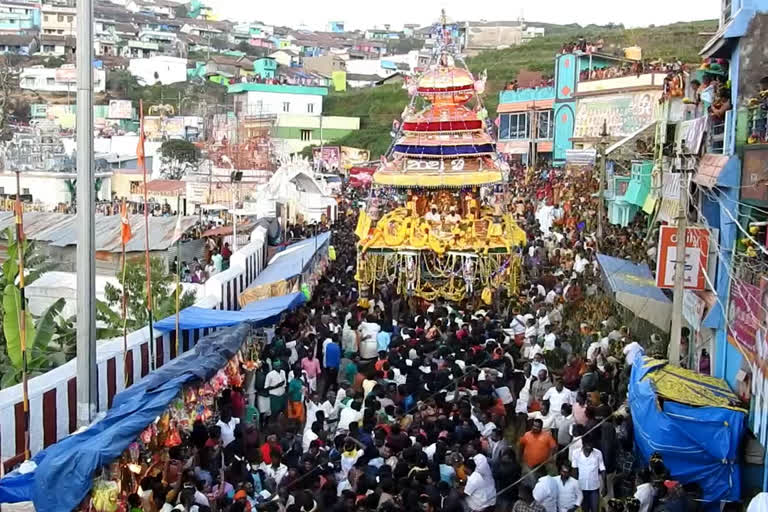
<point x="66" y="74"/>
<point x="624" y="114"/>
<point x="120" y="109"/>
<point x="351" y="157"/>
<point x="744" y="317"/>
<point x="331" y="156"/>
<point x="696" y="257"/>
<point x="155" y="128"/>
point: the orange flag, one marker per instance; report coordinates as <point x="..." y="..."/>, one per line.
<point x="125" y="224"/>
<point x="140" y="147"/>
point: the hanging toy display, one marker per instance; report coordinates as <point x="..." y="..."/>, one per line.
<point x="468" y="274"/>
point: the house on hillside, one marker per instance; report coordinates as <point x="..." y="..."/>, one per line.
<point x="289" y="58"/>
<point x="325" y="64"/>
<point x="18" y="44"/>
<point x="19" y="17"/>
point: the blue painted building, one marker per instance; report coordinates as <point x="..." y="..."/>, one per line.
<point x="18" y="17"/>
<point x="733" y="198"/>
<point x="525" y="124"/>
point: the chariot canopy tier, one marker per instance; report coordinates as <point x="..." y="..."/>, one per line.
<point x="436" y="224"/>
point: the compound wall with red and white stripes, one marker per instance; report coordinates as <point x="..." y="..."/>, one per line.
<point x="53" y="395"/>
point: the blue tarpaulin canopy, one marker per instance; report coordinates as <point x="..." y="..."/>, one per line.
<point x="692" y="421"/>
<point x="65" y="470"/>
<point x="634" y="287"/>
<point x="259" y="313"/>
<point x="291" y="261"/>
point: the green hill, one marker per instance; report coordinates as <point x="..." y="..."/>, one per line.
<point x="378" y="107"/>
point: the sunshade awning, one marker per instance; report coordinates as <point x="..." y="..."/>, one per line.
<point x="634" y="287"/>
<point x="259" y="313"/>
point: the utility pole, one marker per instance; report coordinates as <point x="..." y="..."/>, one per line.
<point x="683" y="168"/>
<point x="86" y="208"/>
<point x="601" y="207"/>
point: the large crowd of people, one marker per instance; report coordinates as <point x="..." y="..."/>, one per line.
<point x="390" y="403"/>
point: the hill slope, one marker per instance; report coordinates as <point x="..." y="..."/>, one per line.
<point x="378" y="107"/>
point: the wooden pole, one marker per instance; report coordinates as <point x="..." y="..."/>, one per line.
<point x="22" y="314"/>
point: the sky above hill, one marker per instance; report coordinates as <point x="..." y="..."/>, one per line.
<point x="361" y="14"/>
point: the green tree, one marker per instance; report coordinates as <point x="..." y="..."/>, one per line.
<point x="177" y="158"/>
<point x="163" y="295"/>
<point x="123" y="84"/>
<point x="220" y="43"/>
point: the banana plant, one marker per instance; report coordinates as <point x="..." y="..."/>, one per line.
<point x="42" y="355"/>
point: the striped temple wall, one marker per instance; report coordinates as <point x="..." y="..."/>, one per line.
<point x="53" y="396"/>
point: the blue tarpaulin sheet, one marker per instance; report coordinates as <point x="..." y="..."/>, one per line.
<point x="65" y="470"/>
<point x="634" y="287"/>
<point x="291" y="261"/>
<point x="698" y="444"/>
<point x="259" y="313"/>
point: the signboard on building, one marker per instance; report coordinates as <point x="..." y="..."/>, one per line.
<point x="350" y="157"/>
<point x="331" y="156"/>
<point x="120" y="109"/>
<point x="754" y="175"/>
<point x="158" y="128"/>
<point x="66" y="74"/>
<point x="696" y="258"/>
<point x="624" y="114"/>
<point x="745" y="319"/>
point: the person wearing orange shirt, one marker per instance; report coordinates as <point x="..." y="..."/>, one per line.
<point x="537" y="446"/>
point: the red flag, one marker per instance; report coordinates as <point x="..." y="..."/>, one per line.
<point x="125" y="224"/>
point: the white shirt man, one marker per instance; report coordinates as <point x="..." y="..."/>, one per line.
<point x="568" y="493"/>
<point x="228" y="430"/>
<point x="518" y="325"/>
<point x="550" y="341"/>
<point x="347" y="416"/>
<point x="275" y="378"/>
<point x="580" y="264"/>
<point x="432" y="216"/>
<point x="481" y="461"/>
<point x="276" y="473"/>
<point x="480" y="492"/>
<point x="558" y="398"/>
<point x="590" y="467"/>
<point x="645" y="494"/>
<point x="453" y="218"/>
<point x="546" y="493"/>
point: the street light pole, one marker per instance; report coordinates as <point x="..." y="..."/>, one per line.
<point x="86" y="264"/>
<point x="683" y="168"/>
<point x="601" y="198"/>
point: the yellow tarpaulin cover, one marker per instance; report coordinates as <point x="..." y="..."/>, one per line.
<point x="690" y="388"/>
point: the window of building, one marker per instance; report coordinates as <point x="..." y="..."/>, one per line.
<point x="310" y="108"/>
<point x="45" y="18"/>
<point x="306" y="135"/>
<point x="70" y="19"/>
<point x="60" y="18"/>
<point x="513" y="126"/>
<point x="286" y="106"/>
<point x="50" y="81"/>
<point x="25" y="191"/>
<point x="726" y="11"/>
<point x="544" y="126"/>
<point x="48" y="48"/>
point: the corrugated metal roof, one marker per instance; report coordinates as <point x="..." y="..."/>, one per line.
<point x="60" y="230"/>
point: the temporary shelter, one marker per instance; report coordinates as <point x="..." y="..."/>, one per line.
<point x="695" y="422"/>
<point x="281" y="275"/>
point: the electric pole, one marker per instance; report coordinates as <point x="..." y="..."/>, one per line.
<point x="86" y="210"/>
<point x="601" y="207"/>
<point x="683" y="168"/>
